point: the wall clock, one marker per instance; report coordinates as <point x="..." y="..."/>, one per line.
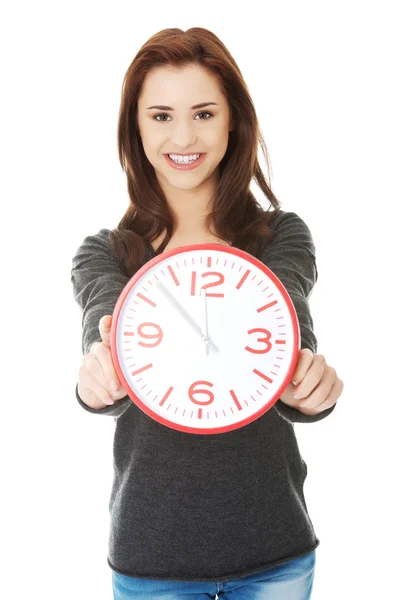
<point x="204" y="338"/>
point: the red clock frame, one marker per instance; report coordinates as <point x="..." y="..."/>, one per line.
<point x="204" y="247"/>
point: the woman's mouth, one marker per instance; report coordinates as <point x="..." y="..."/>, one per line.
<point x="187" y="163"/>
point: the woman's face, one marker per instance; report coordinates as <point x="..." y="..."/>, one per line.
<point x="181" y="129"/>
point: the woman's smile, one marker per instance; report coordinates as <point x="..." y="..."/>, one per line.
<point x="185" y="166"/>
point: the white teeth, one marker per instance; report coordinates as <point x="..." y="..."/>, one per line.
<point x="184" y="159"/>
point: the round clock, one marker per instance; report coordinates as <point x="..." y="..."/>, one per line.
<point x="204" y="338"/>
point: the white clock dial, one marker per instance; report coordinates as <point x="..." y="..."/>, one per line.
<point x="204" y="338"/>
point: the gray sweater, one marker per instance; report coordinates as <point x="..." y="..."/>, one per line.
<point x="204" y="507"/>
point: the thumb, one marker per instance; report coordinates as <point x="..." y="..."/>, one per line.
<point x="105" y="328"/>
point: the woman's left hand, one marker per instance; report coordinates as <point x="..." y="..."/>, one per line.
<point x="318" y="386"/>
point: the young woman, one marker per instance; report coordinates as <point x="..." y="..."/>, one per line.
<point x="200" y="515"/>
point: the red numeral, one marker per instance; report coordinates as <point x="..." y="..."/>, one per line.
<point x="207" y="285"/>
<point x="261" y="339"/>
<point x="192" y="391"/>
<point x="158" y="336"/>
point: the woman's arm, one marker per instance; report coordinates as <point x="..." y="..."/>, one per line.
<point x="291" y="257"/>
<point x="97" y="279"/>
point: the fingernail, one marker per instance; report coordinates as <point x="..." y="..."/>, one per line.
<point x="109" y="401"/>
<point x="114" y="385"/>
<point x="294" y="382"/>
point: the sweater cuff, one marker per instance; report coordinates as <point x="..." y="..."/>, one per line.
<point x="114" y="410"/>
<point x="295" y="416"/>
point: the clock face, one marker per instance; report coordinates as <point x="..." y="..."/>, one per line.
<point x="204" y="338"/>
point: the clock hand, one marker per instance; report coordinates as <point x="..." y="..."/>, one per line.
<point x="184" y="313"/>
<point x="205" y="337"/>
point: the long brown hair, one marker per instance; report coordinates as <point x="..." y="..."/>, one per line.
<point x="236" y="215"/>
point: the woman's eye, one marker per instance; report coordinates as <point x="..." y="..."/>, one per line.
<point x="166" y="115"/>
<point x="205" y="113"/>
<point x="161" y="115"/>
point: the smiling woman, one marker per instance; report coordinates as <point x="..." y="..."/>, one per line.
<point x="189" y="511"/>
<point x="183" y="95"/>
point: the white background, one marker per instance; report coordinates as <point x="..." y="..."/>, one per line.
<point x="324" y="80"/>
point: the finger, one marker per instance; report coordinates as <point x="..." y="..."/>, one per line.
<point x="312" y="378"/>
<point x="104" y="370"/>
<point x="94" y="390"/>
<point x="333" y="396"/>
<point x="304" y="361"/>
<point x="321" y="391"/>
<point x="105" y="328"/>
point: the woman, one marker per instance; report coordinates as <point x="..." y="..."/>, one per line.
<point x="200" y="515"/>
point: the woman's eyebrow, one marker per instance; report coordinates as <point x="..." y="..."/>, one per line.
<point x="202" y="105"/>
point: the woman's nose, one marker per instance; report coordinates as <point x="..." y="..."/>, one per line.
<point x="183" y="135"/>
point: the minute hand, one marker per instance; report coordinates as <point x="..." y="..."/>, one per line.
<point x="185" y="314"/>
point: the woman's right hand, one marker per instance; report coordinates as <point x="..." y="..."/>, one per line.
<point x="97" y="372"/>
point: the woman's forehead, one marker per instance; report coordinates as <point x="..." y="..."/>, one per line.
<point x="180" y="87"/>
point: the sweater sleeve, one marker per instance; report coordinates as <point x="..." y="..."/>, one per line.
<point x="291" y="257"/>
<point x="97" y="279"/>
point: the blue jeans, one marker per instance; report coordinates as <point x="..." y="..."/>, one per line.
<point x="293" y="580"/>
